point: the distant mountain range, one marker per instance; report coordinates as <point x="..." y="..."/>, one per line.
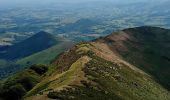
<point x="132" y="64"/>
<point x="82" y="25"/>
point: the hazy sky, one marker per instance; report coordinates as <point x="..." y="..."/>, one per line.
<point x="36" y="1"/>
<point x="27" y="2"/>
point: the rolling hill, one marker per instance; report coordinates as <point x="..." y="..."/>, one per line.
<point x="34" y="44"/>
<point x="82" y="26"/>
<point x="47" y="55"/>
<point x="128" y="65"/>
<point x="26" y="53"/>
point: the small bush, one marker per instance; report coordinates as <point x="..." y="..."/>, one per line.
<point x="39" y="69"/>
<point x="28" y="82"/>
<point x="53" y="95"/>
<point x="14" y="93"/>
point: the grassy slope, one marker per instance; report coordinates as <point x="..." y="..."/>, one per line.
<point x="19" y="84"/>
<point x="46" y="56"/>
<point x="102" y="80"/>
<point x="96" y="71"/>
<point x="147" y="48"/>
<point x="42" y="57"/>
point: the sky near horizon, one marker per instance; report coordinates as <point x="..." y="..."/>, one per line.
<point x="39" y="2"/>
<point x="71" y="1"/>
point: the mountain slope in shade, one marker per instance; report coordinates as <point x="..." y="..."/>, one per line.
<point x="147" y="48"/>
<point x="36" y="43"/>
<point x="101" y="70"/>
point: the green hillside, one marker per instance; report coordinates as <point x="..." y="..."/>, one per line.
<point x="34" y="44"/>
<point x="17" y="85"/>
<point x="26" y="53"/>
<point x="103" y="70"/>
<point x="45" y="56"/>
<point x="145" y="47"/>
<point x="94" y="72"/>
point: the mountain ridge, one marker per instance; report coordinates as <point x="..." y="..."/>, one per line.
<point x="115" y="67"/>
<point x="143" y="46"/>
